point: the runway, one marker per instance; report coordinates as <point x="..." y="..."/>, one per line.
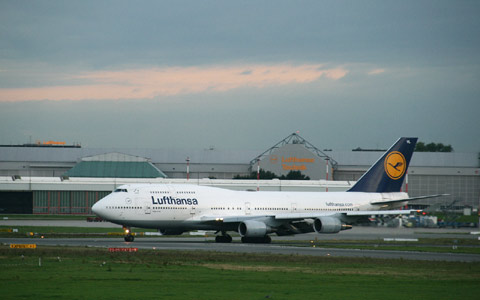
<point x="207" y="244"/>
<point x="280" y="245"/>
<point x="357" y="233"/>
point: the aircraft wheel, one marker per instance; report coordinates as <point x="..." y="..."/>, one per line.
<point x="129" y="238"/>
<point x="267" y="239"/>
<point x="223" y="239"/>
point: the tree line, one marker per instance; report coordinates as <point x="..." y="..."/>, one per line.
<point x="292" y="175"/>
<point x="433" y="147"/>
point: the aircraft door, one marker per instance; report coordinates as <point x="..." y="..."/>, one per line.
<point x="247" y="208"/>
<point x="140" y="203"/>
<point x="172" y="191"/>
<point x="294" y="207"/>
<point x="147" y="209"/>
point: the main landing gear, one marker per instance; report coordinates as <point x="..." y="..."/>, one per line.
<point x="128" y="234"/>
<point x="224" y="238"/>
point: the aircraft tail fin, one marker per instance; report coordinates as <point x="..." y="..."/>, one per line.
<point x="388" y="173"/>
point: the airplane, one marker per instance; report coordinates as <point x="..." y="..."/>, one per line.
<point x="174" y="209"/>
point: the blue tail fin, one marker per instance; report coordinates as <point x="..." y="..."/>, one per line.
<point x="388" y="173"/>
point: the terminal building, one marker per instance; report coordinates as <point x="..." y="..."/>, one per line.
<point x="62" y="179"/>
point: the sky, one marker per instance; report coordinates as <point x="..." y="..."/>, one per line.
<point x="240" y="74"/>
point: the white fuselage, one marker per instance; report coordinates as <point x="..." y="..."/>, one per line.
<point x="186" y="206"/>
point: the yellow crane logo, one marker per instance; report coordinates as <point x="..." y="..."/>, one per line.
<point x="395" y="165"/>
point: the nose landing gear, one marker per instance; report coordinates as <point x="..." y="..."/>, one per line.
<point x="128" y="234"/>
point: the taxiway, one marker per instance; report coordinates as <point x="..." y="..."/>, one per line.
<point x="281" y="245"/>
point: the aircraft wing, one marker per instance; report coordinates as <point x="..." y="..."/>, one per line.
<point x="297" y="216"/>
<point x="295" y="223"/>
<point x="302" y="216"/>
<point x="287" y="216"/>
<point x="234" y="219"/>
<point x="408" y="199"/>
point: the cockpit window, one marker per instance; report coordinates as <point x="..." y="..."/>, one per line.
<point x="120" y="190"/>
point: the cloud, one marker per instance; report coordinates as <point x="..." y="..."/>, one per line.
<point x="376" y="71"/>
<point x="158" y="82"/>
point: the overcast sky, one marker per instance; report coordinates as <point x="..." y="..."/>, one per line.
<point x="240" y="74"/>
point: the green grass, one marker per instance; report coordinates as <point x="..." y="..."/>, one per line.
<point x="80" y="273"/>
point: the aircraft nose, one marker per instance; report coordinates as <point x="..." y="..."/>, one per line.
<point x="96" y="208"/>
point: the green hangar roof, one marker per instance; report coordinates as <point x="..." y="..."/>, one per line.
<point x="115" y="165"/>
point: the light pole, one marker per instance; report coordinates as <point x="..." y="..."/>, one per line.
<point x="326" y="176"/>
<point x="258" y="175"/>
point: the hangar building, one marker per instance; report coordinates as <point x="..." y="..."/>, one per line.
<point x="69" y="179"/>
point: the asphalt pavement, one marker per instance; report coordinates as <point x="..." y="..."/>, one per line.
<point x="202" y="243"/>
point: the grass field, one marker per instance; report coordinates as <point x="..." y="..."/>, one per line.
<point x="88" y="273"/>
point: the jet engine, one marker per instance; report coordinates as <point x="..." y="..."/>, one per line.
<point x="329" y="225"/>
<point x="253" y="229"/>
